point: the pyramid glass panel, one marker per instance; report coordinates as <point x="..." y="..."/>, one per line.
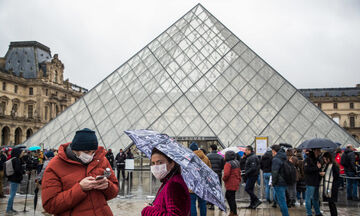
<point x="196" y="79"/>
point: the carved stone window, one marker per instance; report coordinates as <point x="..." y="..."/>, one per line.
<point x="351" y="105"/>
<point x="30" y="111"/>
<point x="46" y="113"/>
<point x="31" y="91"/>
<point x="4" y="86"/>
<point x="335" y="105"/>
<point x="15" y="88"/>
<point x="352" y="121"/>
<point x="2" y="108"/>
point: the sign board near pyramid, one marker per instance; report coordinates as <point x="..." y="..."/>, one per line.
<point x="195" y="79"/>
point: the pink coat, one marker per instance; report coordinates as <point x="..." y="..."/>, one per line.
<point x="173" y="198"/>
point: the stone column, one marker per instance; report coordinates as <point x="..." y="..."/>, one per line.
<point x="11" y="136"/>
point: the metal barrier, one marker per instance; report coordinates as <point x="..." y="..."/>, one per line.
<point x="348" y="177"/>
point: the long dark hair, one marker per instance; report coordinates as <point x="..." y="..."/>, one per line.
<point x="330" y="157"/>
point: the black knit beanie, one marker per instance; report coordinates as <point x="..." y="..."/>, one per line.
<point x="84" y="140"/>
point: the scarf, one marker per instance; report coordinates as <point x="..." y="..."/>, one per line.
<point x="328" y="181"/>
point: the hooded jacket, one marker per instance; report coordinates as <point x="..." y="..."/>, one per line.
<point x="276" y="165"/>
<point x="265" y="162"/>
<point x="350" y="160"/>
<point x="61" y="191"/>
<point x="17" y="166"/>
<point x="232" y="173"/>
<point x="203" y="157"/>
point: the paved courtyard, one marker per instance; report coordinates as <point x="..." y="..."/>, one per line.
<point x="141" y="189"/>
<point x="132" y="207"/>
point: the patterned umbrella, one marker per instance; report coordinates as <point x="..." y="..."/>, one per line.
<point x="197" y="175"/>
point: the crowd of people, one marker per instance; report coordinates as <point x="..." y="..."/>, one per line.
<point x="79" y="177"/>
<point x="308" y="176"/>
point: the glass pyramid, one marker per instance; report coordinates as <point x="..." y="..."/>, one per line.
<point x="195" y="79"/>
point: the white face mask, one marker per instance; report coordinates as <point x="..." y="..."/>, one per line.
<point x="86" y="158"/>
<point x="159" y="171"/>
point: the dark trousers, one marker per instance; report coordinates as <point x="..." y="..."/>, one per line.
<point x="122" y="168"/>
<point x="249" y="188"/>
<point x="333" y="210"/>
<point x="230" y="197"/>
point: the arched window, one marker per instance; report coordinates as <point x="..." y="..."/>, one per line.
<point x="29" y="132"/>
<point x="18" y="136"/>
<point x="5" y="135"/>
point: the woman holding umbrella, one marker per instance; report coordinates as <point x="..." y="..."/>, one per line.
<point x="173" y="197"/>
<point x="330" y="182"/>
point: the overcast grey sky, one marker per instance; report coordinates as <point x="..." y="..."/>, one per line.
<point x="311" y="43"/>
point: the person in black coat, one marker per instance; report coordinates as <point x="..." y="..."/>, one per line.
<point x="120" y="164"/>
<point x="14" y="179"/>
<point x="312" y="169"/>
<point x="217" y="165"/>
<point x="278" y="180"/>
<point x="252" y="168"/>
<point x="110" y="157"/>
<point x="3" y="157"/>
<point x="265" y="165"/>
<point x="330" y="182"/>
<point x="350" y="171"/>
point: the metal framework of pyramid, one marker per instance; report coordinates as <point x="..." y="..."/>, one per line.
<point x="195" y="79"/>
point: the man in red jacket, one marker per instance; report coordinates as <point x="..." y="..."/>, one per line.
<point x="70" y="185"/>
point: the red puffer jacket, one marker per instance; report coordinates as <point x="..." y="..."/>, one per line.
<point x="232" y="177"/>
<point x="61" y="191"/>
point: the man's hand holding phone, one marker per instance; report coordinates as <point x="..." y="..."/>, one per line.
<point x="102" y="183"/>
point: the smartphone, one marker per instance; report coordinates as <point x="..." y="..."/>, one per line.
<point x="99" y="177"/>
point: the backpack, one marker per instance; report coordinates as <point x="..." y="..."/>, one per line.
<point x="289" y="172"/>
<point x="344" y="160"/>
<point x="9" y="168"/>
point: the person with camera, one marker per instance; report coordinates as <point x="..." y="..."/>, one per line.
<point x="75" y="182"/>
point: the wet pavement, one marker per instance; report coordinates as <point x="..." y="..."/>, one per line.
<point x="141" y="189"/>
